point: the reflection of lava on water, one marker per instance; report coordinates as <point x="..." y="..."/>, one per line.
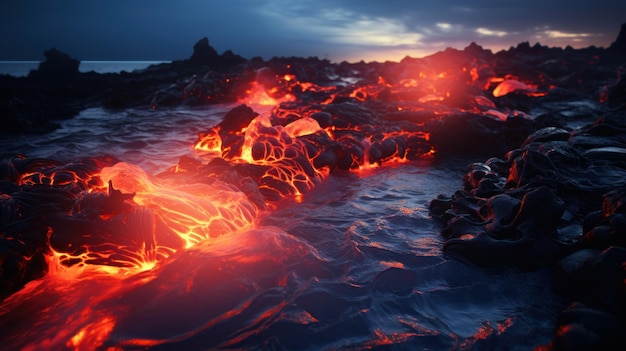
<point x="189" y="258"/>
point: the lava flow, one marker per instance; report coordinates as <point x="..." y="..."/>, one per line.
<point x="115" y="216"/>
<point x="98" y="234"/>
<point x="134" y="225"/>
<point x="122" y="217"/>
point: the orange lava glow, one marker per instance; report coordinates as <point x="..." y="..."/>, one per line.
<point x="92" y="334"/>
<point x="288" y="138"/>
<point x="209" y="142"/>
<point x="195" y="212"/>
<point x="509" y="85"/>
<point x="380" y="338"/>
<point x="168" y="217"/>
<point x="489" y="331"/>
<point x="163" y="218"/>
<point x="290" y="172"/>
<point x="259" y="95"/>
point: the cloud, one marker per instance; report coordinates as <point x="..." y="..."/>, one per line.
<point x="337" y="25"/>
<point x="444" y="26"/>
<point x="559" y="34"/>
<point x="490" y="32"/>
<point x="344" y="27"/>
<point x="342" y="32"/>
<point x="565" y="38"/>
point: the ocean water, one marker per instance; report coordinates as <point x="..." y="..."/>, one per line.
<point x="355" y="264"/>
<point x="22" y="68"/>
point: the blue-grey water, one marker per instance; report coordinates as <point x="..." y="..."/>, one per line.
<point x="356" y="264"/>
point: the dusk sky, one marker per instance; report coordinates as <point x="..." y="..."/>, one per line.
<point x="335" y="30"/>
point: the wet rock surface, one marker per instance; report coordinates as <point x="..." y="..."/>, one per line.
<point x="555" y="201"/>
<point x="551" y="192"/>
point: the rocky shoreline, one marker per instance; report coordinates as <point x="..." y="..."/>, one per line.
<point x="56" y="90"/>
<point x="550" y="194"/>
<point x="557" y="201"/>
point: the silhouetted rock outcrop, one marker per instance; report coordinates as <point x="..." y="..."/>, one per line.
<point x="619" y="45"/>
<point x="205" y="55"/>
<point x="229" y="58"/>
<point x="57" y="66"/>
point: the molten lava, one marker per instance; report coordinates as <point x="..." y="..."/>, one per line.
<point x="509" y="85"/>
<point x="143" y="221"/>
<point x="195" y="212"/>
<point x="112" y="224"/>
<point x="279" y="154"/>
<point x="260" y="95"/>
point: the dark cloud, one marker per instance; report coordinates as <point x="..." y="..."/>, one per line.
<point x="368" y="29"/>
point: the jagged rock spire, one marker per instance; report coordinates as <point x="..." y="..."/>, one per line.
<point x="203" y="53"/>
<point x="619" y="45"/>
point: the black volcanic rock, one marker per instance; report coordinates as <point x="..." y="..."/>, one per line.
<point x="476" y="50"/>
<point x="526" y="209"/>
<point x="229" y="58"/>
<point x="203" y="53"/>
<point x="619" y="45"/>
<point x="11" y="123"/>
<point x="58" y="66"/>
<point x="56" y="90"/>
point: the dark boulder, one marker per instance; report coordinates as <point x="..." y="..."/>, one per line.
<point x="547" y="134"/>
<point x="580" y="327"/>
<point x="596" y="278"/>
